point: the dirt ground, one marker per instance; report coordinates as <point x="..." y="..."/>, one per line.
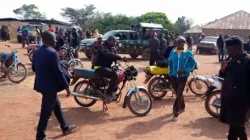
<point x="20" y="108"/>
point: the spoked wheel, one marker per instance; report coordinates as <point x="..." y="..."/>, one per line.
<point x="198" y="87"/>
<point x="31" y="56"/>
<point x="155" y="93"/>
<point x="17" y="75"/>
<point x="213" y="104"/>
<point x="139" y="103"/>
<point x="84" y="102"/>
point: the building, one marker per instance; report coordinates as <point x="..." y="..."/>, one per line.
<point x="195" y="32"/>
<point x="15" y="23"/>
<point x="237" y="23"/>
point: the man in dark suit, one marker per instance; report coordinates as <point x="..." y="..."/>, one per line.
<point x="51" y="77"/>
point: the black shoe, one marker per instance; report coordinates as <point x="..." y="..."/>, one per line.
<point x="69" y="130"/>
<point x="175" y="118"/>
<point x="111" y="96"/>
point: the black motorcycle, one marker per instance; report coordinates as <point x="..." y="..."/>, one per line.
<point x="94" y="88"/>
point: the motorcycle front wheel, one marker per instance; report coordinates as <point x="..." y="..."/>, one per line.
<point x="84" y="102"/>
<point x="197" y="86"/>
<point x="213" y="102"/>
<point x="142" y="104"/>
<point x="156" y="95"/>
<point x="20" y="71"/>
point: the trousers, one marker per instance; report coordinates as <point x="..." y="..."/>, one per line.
<point x="50" y="102"/>
<point x="178" y="84"/>
<point x="108" y="73"/>
<point x="237" y="132"/>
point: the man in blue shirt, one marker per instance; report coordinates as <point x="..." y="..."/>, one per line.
<point x="181" y="62"/>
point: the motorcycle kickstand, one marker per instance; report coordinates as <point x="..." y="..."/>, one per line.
<point x="105" y="107"/>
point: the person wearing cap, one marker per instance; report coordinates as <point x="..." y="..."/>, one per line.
<point x="180" y="62"/>
<point x="154" y="46"/>
<point x="102" y="65"/>
<point x="235" y="92"/>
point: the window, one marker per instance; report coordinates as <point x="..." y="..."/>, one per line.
<point x="133" y="36"/>
<point x="122" y="35"/>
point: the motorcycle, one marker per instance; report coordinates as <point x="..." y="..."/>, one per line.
<point x="212" y="95"/>
<point x="10" y="66"/>
<point x="68" y="59"/>
<point x="157" y="79"/>
<point x="96" y="89"/>
<point x="63" y="52"/>
<point x="159" y="84"/>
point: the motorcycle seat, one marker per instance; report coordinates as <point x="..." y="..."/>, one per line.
<point x="158" y="70"/>
<point x="86" y="73"/>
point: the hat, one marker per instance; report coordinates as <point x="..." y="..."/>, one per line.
<point x="154" y="34"/>
<point x="234" y="40"/>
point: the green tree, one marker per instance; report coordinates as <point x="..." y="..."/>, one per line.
<point x="29" y="12"/>
<point x="182" y="25"/>
<point x="79" y="16"/>
<point x="156" y="17"/>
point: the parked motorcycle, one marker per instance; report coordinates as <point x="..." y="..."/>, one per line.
<point x="159" y="84"/>
<point x="212" y="95"/>
<point x="157" y="79"/>
<point x="68" y="59"/>
<point x="95" y="88"/>
<point x="11" y="67"/>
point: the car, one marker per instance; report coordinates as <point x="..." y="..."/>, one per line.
<point x="208" y="45"/>
<point x="133" y="42"/>
<point x="32" y="35"/>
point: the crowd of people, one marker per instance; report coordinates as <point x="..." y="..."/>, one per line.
<point x="53" y="77"/>
<point x="5" y="33"/>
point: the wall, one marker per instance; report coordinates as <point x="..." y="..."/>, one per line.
<point x="13" y="25"/>
<point x="216" y="32"/>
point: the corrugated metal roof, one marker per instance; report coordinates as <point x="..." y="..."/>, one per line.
<point x="150" y="25"/>
<point x="37" y="20"/>
<point x="238" y="20"/>
<point x="195" y="29"/>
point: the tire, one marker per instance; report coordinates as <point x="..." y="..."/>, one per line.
<point x="77" y="89"/>
<point x="192" y="82"/>
<point x="145" y="54"/>
<point x="12" y="69"/>
<point x="133" y="110"/>
<point x="207" y="103"/>
<point x="150" y="85"/>
<point x="88" y="55"/>
<point x="134" y="55"/>
<point x="31" y="56"/>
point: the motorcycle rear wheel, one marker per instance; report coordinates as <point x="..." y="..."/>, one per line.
<point x="151" y="92"/>
<point x="11" y="69"/>
<point x="31" y="56"/>
<point x="77" y="88"/>
<point x="208" y="105"/>
<point x="133" y="110"/>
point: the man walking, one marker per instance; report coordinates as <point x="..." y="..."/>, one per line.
<point x="189" y="40"/>
<point x="235" y="94"/>
<point x="25" y="36"/>
<point x="181" y="63"/>
<point x="51" y="77"/>
<point x="220" y="45"/>
<point x="154" y="46"/>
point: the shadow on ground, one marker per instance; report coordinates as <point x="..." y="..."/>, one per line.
<point x="209" y="127"/>
<point x="140" y="128"/>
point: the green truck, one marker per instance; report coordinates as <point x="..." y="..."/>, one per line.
<point x="133" y="42"/>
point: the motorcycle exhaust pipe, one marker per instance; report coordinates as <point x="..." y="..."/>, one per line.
<point x="84" y="96"/>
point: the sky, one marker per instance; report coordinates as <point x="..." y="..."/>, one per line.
<point x="200" y="11"/>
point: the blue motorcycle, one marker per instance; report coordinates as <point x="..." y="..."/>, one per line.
<point x="10" y="67"/>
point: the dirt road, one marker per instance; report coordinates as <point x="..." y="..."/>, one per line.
<point x="20" y="107"/>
